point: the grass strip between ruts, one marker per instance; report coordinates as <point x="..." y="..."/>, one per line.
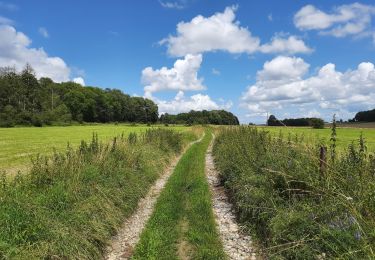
<point x="183" y="225"/>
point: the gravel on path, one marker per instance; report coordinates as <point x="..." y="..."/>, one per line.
<point x="237" y="245"/>
<point x="122" y="245"/>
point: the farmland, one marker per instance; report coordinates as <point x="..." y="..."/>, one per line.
<point x="19" y="144"/>
<point x="284" y="199"/>
<point x="71" y="206"/>
<point x="345" y="135"/>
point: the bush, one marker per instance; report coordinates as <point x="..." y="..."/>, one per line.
<point x="317" y="123"/>
<point x="7" y="116"/>
<point x="36" y="120"/>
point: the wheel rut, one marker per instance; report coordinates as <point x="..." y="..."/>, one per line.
<point x="236" y="243"/>
<point x="123" y="243"/>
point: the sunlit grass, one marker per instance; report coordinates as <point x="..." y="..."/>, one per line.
<point x="182" y="225"/>
<point x="70" y="207"/>
<point x="18" y="145"/>
<point x="344" y="135"/>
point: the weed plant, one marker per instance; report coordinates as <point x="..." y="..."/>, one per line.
<point x="71" y="203"/>
<point x="296" y="206"/>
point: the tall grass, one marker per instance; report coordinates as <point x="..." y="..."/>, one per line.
<point x="71" y="203"/>
<point x="295" y="208"/>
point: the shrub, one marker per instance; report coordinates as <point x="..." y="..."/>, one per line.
<point x="36" y="120"/>
<point x="317" y="123"/>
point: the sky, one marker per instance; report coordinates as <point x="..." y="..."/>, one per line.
<point x="254" y="58"/>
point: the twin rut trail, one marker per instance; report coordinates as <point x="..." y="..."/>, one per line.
<point x="236" y="244"/>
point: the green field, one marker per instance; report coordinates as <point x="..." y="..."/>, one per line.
<point x="344" y="135"/>
<point x="18" y="145"/>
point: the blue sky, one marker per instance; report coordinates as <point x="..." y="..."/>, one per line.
<point x="288" y="58"/>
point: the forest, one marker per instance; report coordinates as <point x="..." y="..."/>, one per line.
<point x="214" y="117"/>
<point x="365" y="116"/>
<point x="313" y="122"/>
<point x="25" y="100"/>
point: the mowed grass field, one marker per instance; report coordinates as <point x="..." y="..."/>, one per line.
<point x="344" y="135"/>
<point x="18" y="145"/>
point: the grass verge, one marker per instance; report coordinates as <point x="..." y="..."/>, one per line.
<point x="297" y="206"/>
<point x="182" y="225"/>
<point x="70" y="204"/>
<point x="19" y="144"/>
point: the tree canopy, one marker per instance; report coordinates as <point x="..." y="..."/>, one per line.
<point x="214" y="117"/>
<point x="310" y="121"/>
<point x="25" y="100"/>
<point x="365" y="116"/>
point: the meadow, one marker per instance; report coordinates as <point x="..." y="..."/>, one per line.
<point x="71" y="203"/>
<point x="18" y="145"/>
<point x="345" y="135"/>
<point x="294" y="205"/>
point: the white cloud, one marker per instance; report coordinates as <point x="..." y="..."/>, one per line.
<point x="15" y="51"/>
<point x="221" y="32"/>
<point x="291" y="45"/>
<point x="183" y="76"/>
<point x="79" y="80"/>
<point x="344" y="20"/>
<point x="215" y="71"/>
<point x="195" y="102"/>
<point x="43" y="31"/>
<point x="5" y="21"/>
<point x="283" y="68"/>
<point x="281" y="85"/>
<point x="173" y="5"/>
<point x="218" y="32"/>
<point x="270" y="17"/>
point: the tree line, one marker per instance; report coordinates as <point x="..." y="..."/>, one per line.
<point x="365" y="116"/>
<point x="26" y="100"/>
<point x="214" y="117"/>
<point x="312" y="121"/>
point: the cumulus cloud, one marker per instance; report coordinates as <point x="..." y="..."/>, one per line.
<point x="43" y="31"/>
<point x="221" y="32"/>
<point x="173" y="5"/>
<point x="282" y="85"/>
<point x="79" y="80"/>
<point x="291" y="45"/>
<point x="6" y="21"/>
<point x="183" y="76"/>
<point x="344" y="20"/>
<point x="15" y="51"/>
<point x="283" y="68"/>
<point x="195" y="102"/>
